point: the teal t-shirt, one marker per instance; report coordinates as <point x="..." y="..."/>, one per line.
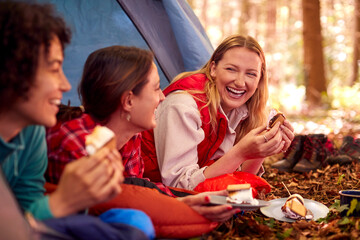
<point x="24" y="161"/>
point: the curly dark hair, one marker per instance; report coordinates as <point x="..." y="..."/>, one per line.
<point x="24" y="28"/>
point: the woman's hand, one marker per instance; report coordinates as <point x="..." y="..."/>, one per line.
<point x="287" y="131"/>
<point x="88" y="181"/>
<point x="219" y="213"/>
<point x="257" y="144"/>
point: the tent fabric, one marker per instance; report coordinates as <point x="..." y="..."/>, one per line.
<point x="194" y="44"/>
<point x="94" y="24"/>
<point x="168" y="27"/>
<point x="151" y="20"/>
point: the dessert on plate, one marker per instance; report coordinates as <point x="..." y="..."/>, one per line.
<point x="294" y="208"/>
<point x="241" y="194"/>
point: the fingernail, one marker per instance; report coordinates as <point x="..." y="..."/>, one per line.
<point x="238" y="210"/>
<point x="229" y="208"/>
<point x="207" y="199"/>
<point x="214" y="224"/>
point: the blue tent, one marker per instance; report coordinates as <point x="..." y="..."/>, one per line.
<point x="168" y="27"/>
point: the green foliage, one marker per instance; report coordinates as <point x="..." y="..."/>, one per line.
<point x="340" y="179"/>
<point x="345" y="221"/>
<point x="285" y="234"/>
<point x="336" y="208"/>
<point x="345" y="97"/>
<point x="270" y="223"/>
<point x="354" y="205"/>
<point x="339" y="208"/>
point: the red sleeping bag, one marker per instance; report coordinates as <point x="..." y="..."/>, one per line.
<point x="221" y="182"/>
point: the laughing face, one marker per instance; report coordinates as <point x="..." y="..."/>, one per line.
<point x="45" y="96"/>
<point x="145" y="104"/>
<point x="236" y="76"/>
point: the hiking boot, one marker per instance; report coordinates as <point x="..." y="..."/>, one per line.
<point x="340" y="156"/>
<point x="292" y="155"/>
<point x="314" y="154"/>
<point x="339" y="159"/>
<point x="350" y="147"/>
<point x="305" y="165"/>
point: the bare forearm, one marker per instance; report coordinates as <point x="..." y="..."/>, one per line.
<point x="60" y="207"/>
<point x="228" y="163"/>
<point x="231" y="161"/>
<point x="252" y="166"/>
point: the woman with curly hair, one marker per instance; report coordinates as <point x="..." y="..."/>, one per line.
<point x="32" y="82"/>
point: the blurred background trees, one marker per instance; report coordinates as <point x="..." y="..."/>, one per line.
<point x="312" y="47"/>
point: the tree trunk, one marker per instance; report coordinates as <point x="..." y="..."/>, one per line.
<point x="315" y="81"/>
<point x="204" y="13"/>
<point x="226" y="13"/>
<point x="244" y="17"/>
<point x="191" y="3"/>
<point x="271" y="19"/>
<point x="356" y="54"/>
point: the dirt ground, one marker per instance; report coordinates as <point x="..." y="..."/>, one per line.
<point x="322" y="185"/>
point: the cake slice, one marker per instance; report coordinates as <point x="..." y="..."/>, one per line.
<point x="294" y="208"/>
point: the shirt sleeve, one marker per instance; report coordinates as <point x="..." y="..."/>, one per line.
<point x="177" y="136"/>
<point x="29" y="188"/>
<point x="65" y="145"/>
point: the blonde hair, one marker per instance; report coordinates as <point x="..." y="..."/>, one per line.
<point x="256" y="104"/>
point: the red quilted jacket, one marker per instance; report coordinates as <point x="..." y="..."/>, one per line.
<point x="207" y="147"/>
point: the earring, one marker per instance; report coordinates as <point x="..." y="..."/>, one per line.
<point x="128" y="117"/>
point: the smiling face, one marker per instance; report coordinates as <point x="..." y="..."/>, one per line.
<point x="236" y="76"/>
<point x="45" y="96"/>
<point x="145" y="103"/>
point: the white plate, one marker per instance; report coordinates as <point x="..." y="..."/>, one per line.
<point x="274" y="209"/>
<point x="220" y="200"/>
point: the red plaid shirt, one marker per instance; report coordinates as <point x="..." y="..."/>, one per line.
<point x="66" y="143"/>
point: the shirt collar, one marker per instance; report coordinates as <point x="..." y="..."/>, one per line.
<point x="235" y="116"/>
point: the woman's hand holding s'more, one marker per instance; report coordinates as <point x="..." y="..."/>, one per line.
<point x="87" y="181"/>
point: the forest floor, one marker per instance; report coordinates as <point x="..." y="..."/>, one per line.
<point x="322" y="185"/>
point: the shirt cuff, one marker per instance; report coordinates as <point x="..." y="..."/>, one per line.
<point x="261" y="171"/>
<point x="40" y="209"/>
<point x="196" y="178"/>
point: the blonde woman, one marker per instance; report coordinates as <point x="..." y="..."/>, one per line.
<point x="210" y="121"/>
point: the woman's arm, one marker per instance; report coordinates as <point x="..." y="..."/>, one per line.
<point x="249" y="152"/>
<point x="87" y="182"/>
<point x="179" y="132"/>
<point x="177" y="136"/>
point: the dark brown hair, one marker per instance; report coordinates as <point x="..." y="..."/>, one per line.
<point x="108" y="73"/>
<point x="24" y="28"/>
